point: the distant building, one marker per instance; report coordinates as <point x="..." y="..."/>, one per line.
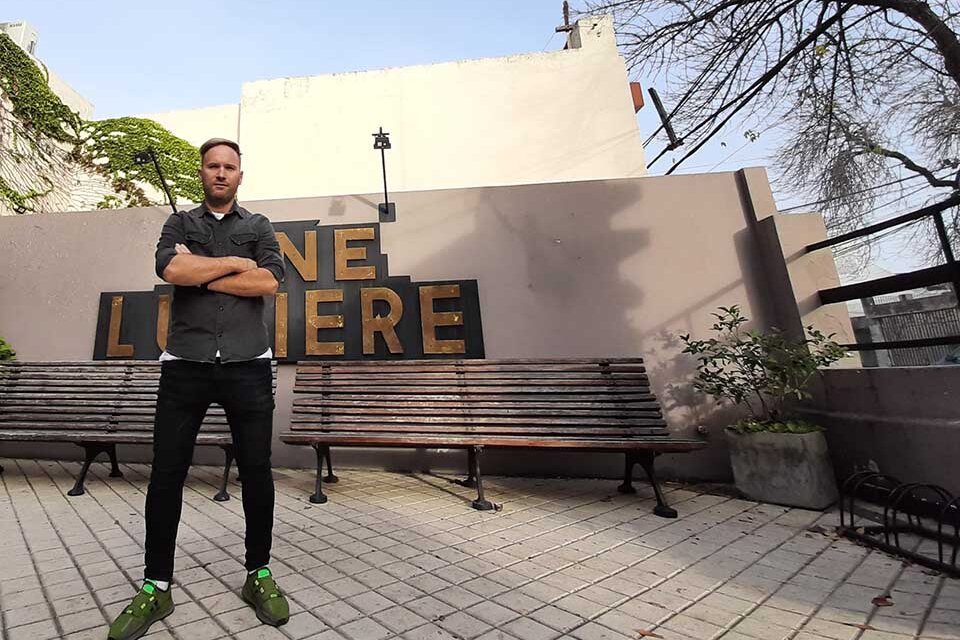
<point x="26" y="36"/>
<point x="64" y="186"/>
<point x="22" y="34"/>
<point x="557" y="116"/>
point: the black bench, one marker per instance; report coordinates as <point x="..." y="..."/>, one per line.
<point x="96" y="405"/>
<point x="566" y="404"/>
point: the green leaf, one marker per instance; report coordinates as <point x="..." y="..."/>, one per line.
<point x="760" y="370"/>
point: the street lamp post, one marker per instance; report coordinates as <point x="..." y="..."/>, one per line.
<point x="145" y="157"/>
<point x="386" y="209"/>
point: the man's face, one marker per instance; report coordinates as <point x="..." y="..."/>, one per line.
<point x="221" y="175"/>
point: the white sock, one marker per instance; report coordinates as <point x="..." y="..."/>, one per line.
<point x="163" y="585"/>
<point x="250" y="573"/>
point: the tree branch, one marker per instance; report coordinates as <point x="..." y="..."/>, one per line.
<point x="936" y="29"/>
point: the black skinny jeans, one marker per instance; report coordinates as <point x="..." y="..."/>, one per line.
<point x="187" y="389"/>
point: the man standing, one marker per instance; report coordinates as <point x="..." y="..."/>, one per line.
<point x="223" y="260"/>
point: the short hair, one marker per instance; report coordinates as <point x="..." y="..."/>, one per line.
<point x="216" y="142"/>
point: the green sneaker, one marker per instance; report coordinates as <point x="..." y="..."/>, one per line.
<point x="263" y="594"/>
<point x="148" y="606"/>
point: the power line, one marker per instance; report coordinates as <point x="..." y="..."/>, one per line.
<point x="897" y="200"/>
<point x="552" y="36"/>
<point x="859" y="243"/>
<point x="732" y="153"/>
<point x="877" y="238"/>
<point x="855" y="193"/>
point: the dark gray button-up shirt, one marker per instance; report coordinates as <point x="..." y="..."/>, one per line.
<point x="204" y="322"/>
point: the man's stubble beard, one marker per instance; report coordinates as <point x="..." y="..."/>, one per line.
<point x="219" y="201"/>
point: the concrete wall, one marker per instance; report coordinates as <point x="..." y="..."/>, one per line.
<point x="595" y="268"/>
<point x="525" y="119"/>
<point x="901" y="421"/>
<point x="67" y="94"/>
<point x="196" y="126"/>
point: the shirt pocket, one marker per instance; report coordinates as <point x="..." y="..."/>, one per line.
<point x="244" y="244"/>
<point x="198" y="241"/>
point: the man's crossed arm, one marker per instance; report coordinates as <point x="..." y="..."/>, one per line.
<point x="230" y="274"/>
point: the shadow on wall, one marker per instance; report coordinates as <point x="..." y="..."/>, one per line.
<point x="672" y="371"/>
<point x="554" y="255"/>
<point x="548" y="261"/>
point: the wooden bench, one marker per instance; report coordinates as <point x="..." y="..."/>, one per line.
<point x="96" y="405"/>
<point x="566" y="404"/>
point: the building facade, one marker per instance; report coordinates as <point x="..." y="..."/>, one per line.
<point x="537" y="118"/>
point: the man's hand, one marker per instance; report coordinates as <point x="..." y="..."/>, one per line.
<point x="189" y="270"/>
<point x="243" y="264"/>
<point x="238" y="264"/>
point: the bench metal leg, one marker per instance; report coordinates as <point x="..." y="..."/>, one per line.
<point x="645" y="459"/>
<point x="92" y="451"/>
<point x="627" y="486"/>
<point x="222" y="495"/>
<point x="481" y="503"/>
<point x="318" y="497"/>
<point x="471" y="479"/>
<point x="329" y="478"/>
<point x="114" y="467"/>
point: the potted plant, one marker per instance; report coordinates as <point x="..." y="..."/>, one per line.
<point x="6" y="351"/>
<point x="776" y="457"/>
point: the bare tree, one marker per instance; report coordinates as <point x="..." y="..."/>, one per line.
<point x="864" y="93"/>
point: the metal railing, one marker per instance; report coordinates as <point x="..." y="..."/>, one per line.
<point x="947" y="273"/>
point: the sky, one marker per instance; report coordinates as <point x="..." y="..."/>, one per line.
<point x="131" y="58"/>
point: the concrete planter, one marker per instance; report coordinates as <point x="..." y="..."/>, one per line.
<point x="783" y="468"/>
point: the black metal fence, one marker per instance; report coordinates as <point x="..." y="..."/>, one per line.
<point x="920" y="325"/>
<point x="947" y="273"/>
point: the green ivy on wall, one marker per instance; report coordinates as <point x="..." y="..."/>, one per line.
<point x="110" y="146"/>
<point x="104" y="146"/>
<point x="34" y="104"/>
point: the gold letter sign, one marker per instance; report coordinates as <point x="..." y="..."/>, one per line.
<point x="430" y="319"/>
<point x="343" y="254"/>
<point x="383" y="324"/>
<point x="337" y="301"/>
<point x="114" y="348"/>
<point x="314" y="322"/>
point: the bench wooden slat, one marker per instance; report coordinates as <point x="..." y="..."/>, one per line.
<point x="473" y="389"/>
<point x="68" y="404"/>
<point x="81" y="374"/>
<point x="469" y="381"/>
<point x="388" y="410"/>
<point x="359" y="439"/>
<point x="104" y="437"/>
<point x="96" y="364"/>
<point x="554" y="420"/>
<point x="463" y="394"/>
<point x="466" y="430"/>
<point x="538" y="363"/>
<point x="450" y="402"/>
<point x="18" y="397"/>
<point x="482" y="375"/>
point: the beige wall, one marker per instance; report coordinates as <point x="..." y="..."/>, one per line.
<point x="901" y="421"/>
<point x="596" y="268"/>
<point x="67" y="94"/>
<point x="196" y="126"/>
<point x="524" y="119"/>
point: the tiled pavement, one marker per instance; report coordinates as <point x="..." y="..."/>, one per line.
<point x="403" y="556"/>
